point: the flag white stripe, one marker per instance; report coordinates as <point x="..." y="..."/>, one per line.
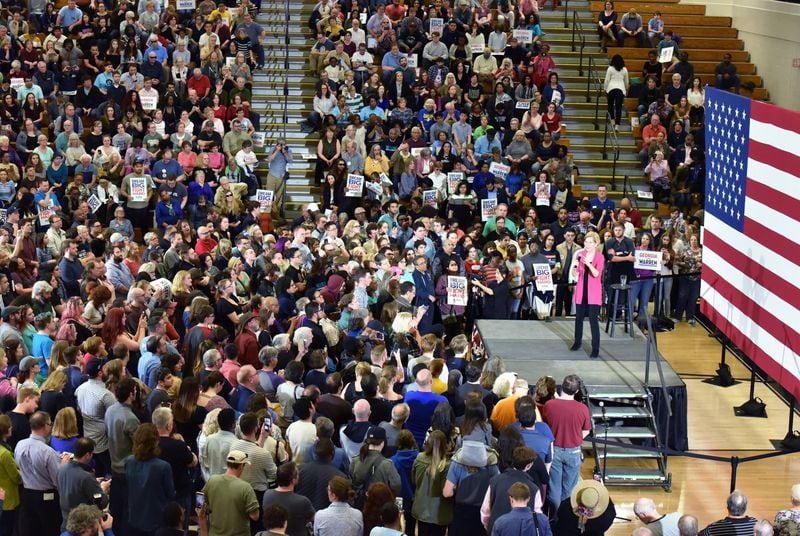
<point x="774" y="220"/>
<point x="773" y="177"/>
<point x="780" y="138"/>
<point x="756" y="251"/>
<point x="781" y="354"/>
<point x="768" y="301"/>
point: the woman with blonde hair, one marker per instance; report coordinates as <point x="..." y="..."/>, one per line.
<point x="429" y="474"/>
<point x="65" y="430"/>
<point x="386" y="383"/>
<point x="239" y="276"/>
<point x="113" y="371"/>
<point x="93" y="347"/>
<point x="57" y="360"/>
<point x="53" y="398"/>
<point x="210" y="426"/>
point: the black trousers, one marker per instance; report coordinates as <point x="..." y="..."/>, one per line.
<point x="615" y="99"/>
<point x="564" y="299"/>
<point x="119" y="504"/>
<point x="39" y="513"/>
<point x="593" y="312"/>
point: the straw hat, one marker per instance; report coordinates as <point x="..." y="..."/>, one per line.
<point x="589" y="499"/>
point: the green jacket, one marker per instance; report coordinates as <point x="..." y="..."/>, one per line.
<point x="10" y="478"/>
<point x="429" y="505"/>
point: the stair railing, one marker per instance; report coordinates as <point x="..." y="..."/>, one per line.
<point x="566" y="13"/>
<point x="611" y="140"/>
<point x="285" y="98"/>
<point x="577" y="30"/>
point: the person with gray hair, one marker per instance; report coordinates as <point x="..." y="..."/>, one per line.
<point x="302" y="339"/>
<point x="642" y="531"/>
<point x="325" y="430"/>
<point x="736" y="523"/>
<point x="269" y="379"/>
<point x="789" y="516"/>
<point x="400" y="414"/>
<point x="764" y="528"/>
<point x="688" y="526"/>
<point x="659" y="524"/>
<point x="86" y="517"/>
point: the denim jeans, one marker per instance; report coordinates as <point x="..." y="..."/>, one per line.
<point x="564" y="473"/>
<point x="642" y="289"/>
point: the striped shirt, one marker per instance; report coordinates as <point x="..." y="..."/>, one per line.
<point x="93" y="401"/>
<point x="730" y="526"/>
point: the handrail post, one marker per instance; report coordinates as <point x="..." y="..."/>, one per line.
<point x="605" y="142"/>
<point x="614" y="170"/>
<point x="597" y="110"/>
<point x="588" y="77"/>
<point x="566" y="10"/>
<point x="574" y="24"/>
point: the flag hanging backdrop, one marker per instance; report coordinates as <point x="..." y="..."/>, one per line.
<point x="751" y="240"/>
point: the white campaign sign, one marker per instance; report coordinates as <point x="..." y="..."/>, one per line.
<point x="647" y="260"/>
<point x="543" y="277"/>
<point x="456" y="290"/>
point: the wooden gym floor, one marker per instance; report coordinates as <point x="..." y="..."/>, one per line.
<point x="700" y="487"/>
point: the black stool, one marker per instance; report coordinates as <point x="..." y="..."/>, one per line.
<point x="620" y="292"/>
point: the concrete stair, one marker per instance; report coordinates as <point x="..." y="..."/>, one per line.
<point x="284" y="71"/>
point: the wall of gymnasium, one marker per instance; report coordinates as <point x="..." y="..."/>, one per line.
<point x="769" y="30"/>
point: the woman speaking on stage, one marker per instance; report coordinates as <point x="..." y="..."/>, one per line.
<point x="588" y="267"/>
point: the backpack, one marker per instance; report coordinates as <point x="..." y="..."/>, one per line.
<point x="361" y="490"/>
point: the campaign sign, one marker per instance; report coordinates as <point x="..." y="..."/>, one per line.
<point x="185" y="5"/>
<point x="543" y="277"/>
<point x="374" y="187"/>
<point x="499" y="170"/>
<point x="355" y="185"/>
<point x="264" y="198"/>
<point x="524" y="36"/>
<point x="437" y="25"/>
<point x="149" y="102"/>
<point x="453" y="178"/>
<point x="647" y="260"/>
<point x="456" y="290"/>
<point x="138" y="189"/>
<point x="429" y="198"/>
<point x="94" y="203"/>
<point x="488" y="207"/>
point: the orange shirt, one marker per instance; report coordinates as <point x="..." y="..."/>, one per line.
<point x="504" y="413"/>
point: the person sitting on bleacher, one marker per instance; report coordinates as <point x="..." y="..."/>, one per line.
<point x="726" y="75"/>
<point x="648" y="95"/>
<point x="674" y="91"/>
<point x="631" y="25"/>
<point x="649" y="135"/>
<point x="655" y="28"/>
<point x="668" y="42"/>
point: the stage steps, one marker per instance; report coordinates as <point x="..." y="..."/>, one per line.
<point x="625" y="415"/>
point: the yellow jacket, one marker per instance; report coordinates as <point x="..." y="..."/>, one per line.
<point x="10" y="479"/>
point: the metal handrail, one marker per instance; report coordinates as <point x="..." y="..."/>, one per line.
<point x="282" y="211"/>
<point x="566" y="13"/>
<point x="577" y="28"/>
<point x="611" y="138"/>
<point x="593" y="82"/>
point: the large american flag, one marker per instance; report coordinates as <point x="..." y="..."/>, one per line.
<point x="751" y="254"/>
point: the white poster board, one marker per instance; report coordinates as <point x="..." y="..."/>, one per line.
<point x="524" y="36"/>
<point x="185" y="5"/>
<point x="499" y="170"/>
<point x="138" y="189"/>
<point x="543" y="279"/>
<point x="456" y="290"/>
<point x="437" y="25"/>
<point x="647" y="260"/>
<point x="453" y="179"/>
<point x="429" y="198"/>
<point x="265" y="198"/>
<point x="94" y="203"/>
<point x="355" y="185"/>
<point x="149" y="102"/>
<point x="666" y="55"/>
<point x="488" y="207"/>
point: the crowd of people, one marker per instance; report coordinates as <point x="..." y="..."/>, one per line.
<point x="173" y="356"/>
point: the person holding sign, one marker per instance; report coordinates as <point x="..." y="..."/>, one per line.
<point x="588" y="269"/>
<point x="137" y="188"/>
<point x="643" y="285"/>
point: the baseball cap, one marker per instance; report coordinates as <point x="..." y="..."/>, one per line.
<point x="376" y="433"/>
<point x="93" y="367"/>
<point x="27" y="363"/>
<point x="8" y="311"/>
<point x="239" y="457"/>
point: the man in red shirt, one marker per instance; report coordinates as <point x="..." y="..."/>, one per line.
<point x="204" y="241"/>
<point x="570" y="422"/>
<point x="649" y="134"/>
<point x="200" y="83"/>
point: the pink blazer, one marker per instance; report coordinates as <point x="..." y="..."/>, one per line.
<point x="595" y="283"/>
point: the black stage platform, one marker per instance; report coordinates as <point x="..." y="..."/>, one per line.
<point x="534" y="349"/>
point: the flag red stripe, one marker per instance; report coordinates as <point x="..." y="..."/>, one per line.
<point x="752" y="269"/>
<point x="775" y="199"/>
<point x="772" y="240"/>
<point x="781" y="117"/>
<point x="773" y="156"/>
<point x="780" y="330"/>
<point x="772" y="368"/>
